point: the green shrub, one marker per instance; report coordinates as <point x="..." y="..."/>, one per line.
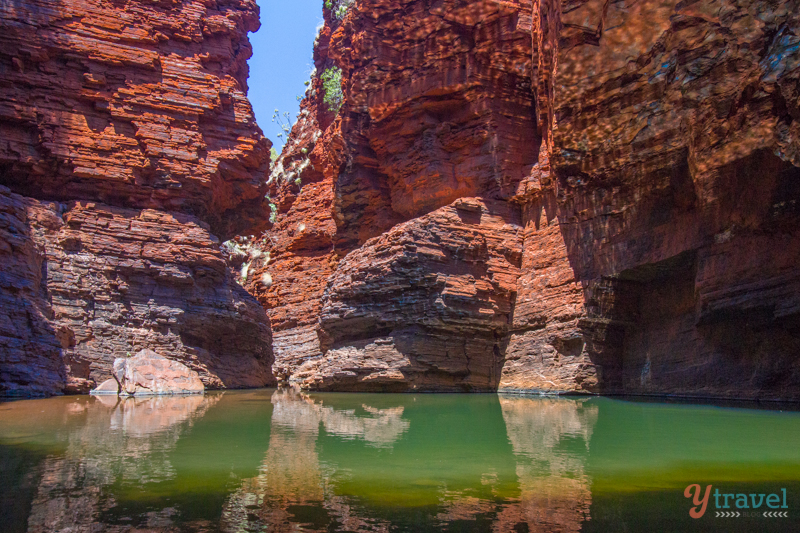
<point x="338" y="7"/>
<point x="273" y="212"/>
<point x="332" y="88"/>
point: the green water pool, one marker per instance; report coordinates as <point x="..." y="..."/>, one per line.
<point x="278" y="460"/>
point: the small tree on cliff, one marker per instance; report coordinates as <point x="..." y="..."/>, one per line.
<point x="338" y="7"/>
<point x="332" y="88"/>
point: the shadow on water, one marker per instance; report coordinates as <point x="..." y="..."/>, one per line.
<point x="18" y="482"/>
<point x="284" y="461"/>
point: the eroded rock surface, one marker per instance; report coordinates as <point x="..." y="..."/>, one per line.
<point x="119" y="280"/>
<point x="675" y="158"/>
<point x="128" y="148"/>
<point x="134" y="104"/>
<point x="425" y="306"/>
<point x="30" y="357"/>
<point x="650" y="151"/>
<point x="545" y="350"/>
<point x="437" y="106"/>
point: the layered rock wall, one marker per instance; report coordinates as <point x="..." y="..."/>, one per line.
<point x="646" y="153"/>
<point x="30" y="359"/>
<point x="288" y="268"/>
<point x="127" y="150"/>
<point x="435" y="107"/>
<point x="675" y="160"/>
<point x="134" y="104"/>
<point x="425" y="306"/>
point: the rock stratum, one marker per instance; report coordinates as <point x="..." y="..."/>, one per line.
<point x="577" y="196"/>
<point x="128" y="150"/>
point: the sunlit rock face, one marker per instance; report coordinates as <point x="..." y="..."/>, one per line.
<point x="134" y="104"/>
<point x="438" y="107"/>
<point x="431" y="113"/>
<point x="127" y="150"/>
<point x="298" y="255"/>
<point x="545" y="350"/>
<point x="148" y="373"/>
<point x="650" y="152"/>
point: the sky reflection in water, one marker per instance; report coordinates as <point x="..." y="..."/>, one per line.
<point x="283" y="461"/>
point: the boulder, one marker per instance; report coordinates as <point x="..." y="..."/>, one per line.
<point x="109" y="386"/>
<point x="148" y="373"/>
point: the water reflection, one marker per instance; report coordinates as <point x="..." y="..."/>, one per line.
<point x="293" y="486"/>
<point x="550" y="438"/>
<point x="285" y="461"/>
<point x="338" y="462"/>
<point x="103" y="441"/>
<point x="300" y="413"/>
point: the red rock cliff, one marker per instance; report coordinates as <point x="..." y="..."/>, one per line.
<point x="128" y="150"/>
<point x="645" y="157"/>
<point x="437" y="108"/>
<point x="675" y="151"/>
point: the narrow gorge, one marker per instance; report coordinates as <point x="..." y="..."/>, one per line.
<point x="577" y="196"/>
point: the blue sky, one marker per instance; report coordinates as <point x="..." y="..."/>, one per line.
<point x="281" y="59"/>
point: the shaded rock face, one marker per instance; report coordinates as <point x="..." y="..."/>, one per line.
<point x="112" y="281"/>
<point x="675" y="161"/>
<point x="30" y="357"/>
<point x="127" y="147"/>
<point x="647" y="153"/>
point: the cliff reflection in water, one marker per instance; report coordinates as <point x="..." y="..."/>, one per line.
<point x="286" y="461"/>
<point x="293" y="485"/>
<point x="103" y="442"/>
<point x="375" y="463"/>
<point x="550" y="438"/>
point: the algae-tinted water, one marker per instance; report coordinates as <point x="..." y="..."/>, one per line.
<point x="281" y="461"/>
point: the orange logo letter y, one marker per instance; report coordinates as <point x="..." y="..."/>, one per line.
<point x="700" y="505"/>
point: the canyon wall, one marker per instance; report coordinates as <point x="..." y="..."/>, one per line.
<point x="675" y="161"/>
<point x="579" y="196"/>
<point x="128" y="151"/>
